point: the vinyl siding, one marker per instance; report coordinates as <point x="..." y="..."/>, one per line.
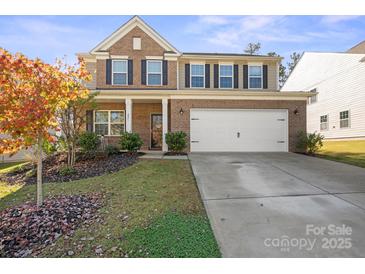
<point x="339" y="80"/>
<point x="346" y="91"/>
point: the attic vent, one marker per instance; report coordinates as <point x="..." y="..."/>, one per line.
<point x="136" y="43"/>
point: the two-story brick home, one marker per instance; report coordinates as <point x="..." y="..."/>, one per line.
<point x="224" y="102"/>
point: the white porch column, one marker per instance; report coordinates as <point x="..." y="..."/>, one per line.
<point x="164" y="123"/>
<point x="128" y="115"/>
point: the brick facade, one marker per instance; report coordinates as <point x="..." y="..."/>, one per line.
<point x="297" y="122"/>
<point x="125" y="47"/>
<point x="141" y="118"/>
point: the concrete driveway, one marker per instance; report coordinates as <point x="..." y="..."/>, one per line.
<point x="282" y="204"/>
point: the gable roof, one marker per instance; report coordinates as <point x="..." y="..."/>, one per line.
<point x="316" y="67"/>
<point x="135" y="21"/>
<point x="358" y="48"/>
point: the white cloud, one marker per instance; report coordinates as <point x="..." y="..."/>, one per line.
<point x="37" y="26"/>
<point x="334" y="19"/>
<point x="213" y="20"/>
<point x="235" y="32"/>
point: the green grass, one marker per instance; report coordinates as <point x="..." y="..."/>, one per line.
<point x="6" y="167"/>
<point x="139" y="200"/>
<point x="173" y="235"/>
<point x="349" y="152"/>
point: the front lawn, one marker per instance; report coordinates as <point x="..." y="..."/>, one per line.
<point x="152" y="209"/>
<point x="349" y="152"/>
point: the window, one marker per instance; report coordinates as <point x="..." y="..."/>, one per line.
<point x="344" y="119"/>
<point x="120" y="72"/>
<point x="312" y="99"/>
<point x="255" y="77"/>
<point x="109" y="122"/>
<point x="136" y="43"/>
<point x="324" y="122"/>
<point x="225" y="76"/>
<point x="154" y="73"/>
<point x="197" y="76"/>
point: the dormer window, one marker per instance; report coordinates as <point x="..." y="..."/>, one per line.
<point x="154" y="72"/>
<point x="120" y="72"/>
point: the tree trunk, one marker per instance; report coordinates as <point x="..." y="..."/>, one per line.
<point x="39" y="173"/>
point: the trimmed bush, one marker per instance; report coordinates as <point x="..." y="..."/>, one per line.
<point x="111" y="150"/>
<point x="176" y="141"/>
<point x="89" y="142"/>
<point x="131" y="141"/>
<point x="309" y="143"/>
<point x="66" y="171"/>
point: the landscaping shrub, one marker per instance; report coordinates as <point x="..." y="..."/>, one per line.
<point x="89" y="142"/>
<point x="66" y="170"/>
<point x="111" y="150"/>
<point x="131" y="141"/>
<point x="309" y="143"/>
<point x="176" y="141"/>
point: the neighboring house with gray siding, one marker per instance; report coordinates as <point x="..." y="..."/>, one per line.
<point x="338" y="109"/>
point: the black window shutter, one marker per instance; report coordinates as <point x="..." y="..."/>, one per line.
<point x="143" y="72"/>
<point x="216" y="76"/>
<point x="264" y="75"/>
<point x="108" y="71"/>
<point x="187" y="75"/>
<point x="89" y="121"/>
<point x="235" y="76"/>
<point x="130" y="72"/>
<point x="207" y="75"/>
<point x="164" y="72"/>
<point x="245" y="76"/>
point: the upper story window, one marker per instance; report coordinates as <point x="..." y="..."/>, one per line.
<point x="324" y="122"/>
<point x="120" y="72"/>
<point x="197" y="75"/>
<point x="109" y="122"/>
<point x="225" y="76"/>
<point x="154" y="73"/>
<point x="344" y="119"/>
<point x="254" y="77"/>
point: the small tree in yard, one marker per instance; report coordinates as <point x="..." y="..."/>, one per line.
<point x="176" y="141"/>
<point x="31" y="94"/>
<point x="131" y="142"/>
<point x="72" y="118"/>
<point x="310" y="143"/>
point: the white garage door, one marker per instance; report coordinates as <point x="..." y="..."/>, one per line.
<point x="239" y="130"/>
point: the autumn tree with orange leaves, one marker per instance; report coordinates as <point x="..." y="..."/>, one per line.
<point x="31" y="94"/>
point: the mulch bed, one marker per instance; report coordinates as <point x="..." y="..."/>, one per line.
<point x="84" y="168"/>
<point x="25" y="230"/>
<point x="170" y="153"/>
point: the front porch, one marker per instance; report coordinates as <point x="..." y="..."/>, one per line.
<point x="147" y="117"/>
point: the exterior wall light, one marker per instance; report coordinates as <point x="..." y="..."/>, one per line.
<point x="296" y="111"/>
<point x="181" y="111"/>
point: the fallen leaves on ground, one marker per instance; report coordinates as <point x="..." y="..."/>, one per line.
<point x="25" y="230"/>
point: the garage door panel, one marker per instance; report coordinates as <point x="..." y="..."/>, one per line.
<point x="238" y="130"/>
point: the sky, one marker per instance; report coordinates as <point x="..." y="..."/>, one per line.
<point x="51" y="37"/>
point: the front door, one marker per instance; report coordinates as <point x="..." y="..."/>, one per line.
<point x="156" y="131"/>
